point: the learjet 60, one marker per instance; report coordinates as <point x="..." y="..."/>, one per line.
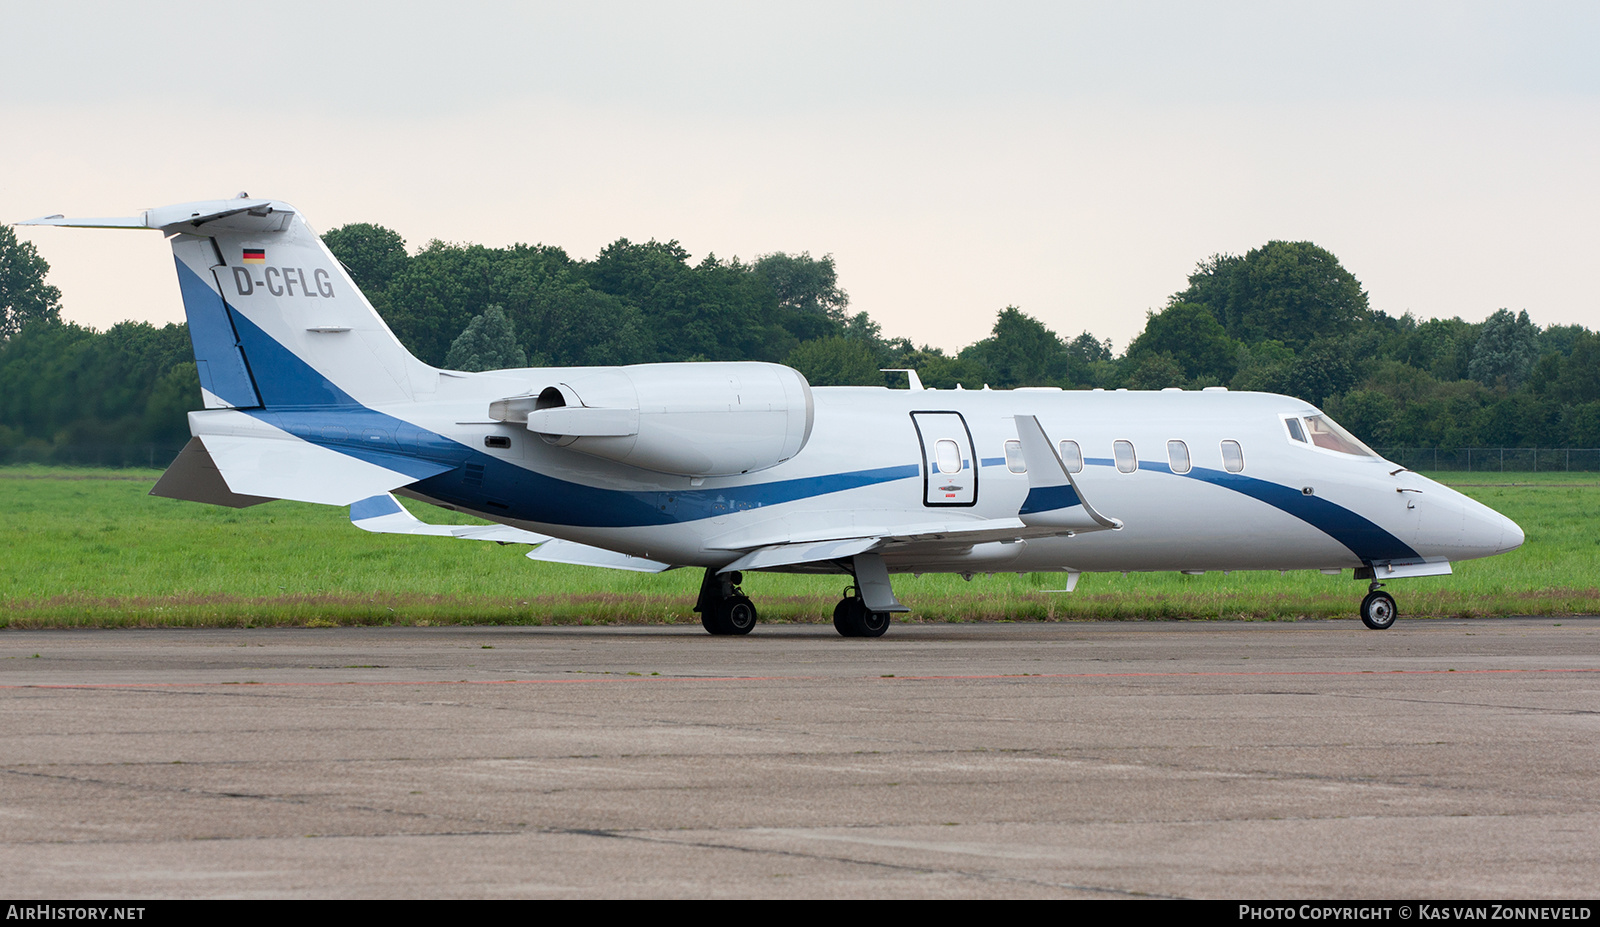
<point x="741" y="467"/>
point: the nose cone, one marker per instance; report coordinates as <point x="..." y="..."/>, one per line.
<point x="1455" y="527"/>
<point x="1486" y="532"/>
<point x="1511" y="535"/>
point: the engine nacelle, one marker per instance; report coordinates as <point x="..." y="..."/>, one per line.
<point x="714" y="419"/>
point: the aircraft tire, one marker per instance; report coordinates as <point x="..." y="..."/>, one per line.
<point x="843" y="618"/>
<point x="733" y="615"/>
<point x="738" y="615"/>
<point x="1378" y="610"/>
<point x="852" y="618"/>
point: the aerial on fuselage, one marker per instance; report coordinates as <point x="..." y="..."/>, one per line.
<point x="744" y="466"/>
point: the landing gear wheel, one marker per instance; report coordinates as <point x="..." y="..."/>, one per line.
<point x="852" y="618"/>
<point x="844" y="620"/>
<point x="733" y="615"/>
<point x="1378" y="610"/>
<point x="738" y="615"/>
<point x="723" y="607"/>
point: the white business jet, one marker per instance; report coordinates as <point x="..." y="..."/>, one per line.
<point x="739" y="467"/>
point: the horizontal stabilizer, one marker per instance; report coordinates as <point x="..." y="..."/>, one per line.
<point x="293" y="469"/>
<point x="383" y="514"/>
<point x="239" y="214"/>
<point x="1054" y="499"/>
<point x="193" y="476"/>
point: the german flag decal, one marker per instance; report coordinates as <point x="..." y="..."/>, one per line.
<point x="255" y="255"/>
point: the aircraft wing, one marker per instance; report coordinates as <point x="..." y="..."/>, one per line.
<point x="559" y="551"/>
<point x="929" y="538"/>
<point x="1054" y="507"/>
<point x="383" y="514"/>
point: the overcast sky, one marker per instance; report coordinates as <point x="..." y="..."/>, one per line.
<point x="1075" y="160"/>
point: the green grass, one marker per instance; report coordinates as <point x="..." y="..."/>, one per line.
<point x="90" y="548"/>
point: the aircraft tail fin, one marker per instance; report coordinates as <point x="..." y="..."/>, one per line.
<point x="275" y="320"/>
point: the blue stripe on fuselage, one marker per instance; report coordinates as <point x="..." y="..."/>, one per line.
<point x="1365" y="539"/>
<point x="306" y="404"/>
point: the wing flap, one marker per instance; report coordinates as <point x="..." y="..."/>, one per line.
<point x="776" y="555"/>
<point x="559" y="551"/>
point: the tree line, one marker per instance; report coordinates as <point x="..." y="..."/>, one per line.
<point x="1285" y="317"/>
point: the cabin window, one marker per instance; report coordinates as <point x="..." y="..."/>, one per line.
<point x="1295" y="431"/>
<point x="1232" y="457"/>
<point x="1127" y="461"/>
<point x="948" y="455"/>
<point x="1178" y="456"/>
<point x="1014" y="461"/>
<point x="1072" y="456"/>
<point x="1326" y="433"/>
<point x="500" y="441"/>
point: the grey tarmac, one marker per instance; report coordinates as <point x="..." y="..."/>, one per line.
<point x="1442" y="758"/>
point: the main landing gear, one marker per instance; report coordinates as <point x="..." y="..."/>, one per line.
<point x="852" y="617"/>
<point x="723" y="606"/>
<point x="1378" y="610"/>
<point x="864" y="611"/>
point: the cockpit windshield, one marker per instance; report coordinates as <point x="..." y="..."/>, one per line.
<point x="1326" y="433"/>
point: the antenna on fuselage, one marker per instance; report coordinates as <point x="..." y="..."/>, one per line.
<point x="916" y="382"/>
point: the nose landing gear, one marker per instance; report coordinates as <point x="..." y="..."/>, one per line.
<point x="1378" y="610"/>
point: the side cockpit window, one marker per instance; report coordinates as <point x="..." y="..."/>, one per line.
<point x="1318" y="430"/>
<point x="1326" y="433"/>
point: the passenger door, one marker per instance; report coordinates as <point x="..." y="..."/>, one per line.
<point x="949" y="465"/>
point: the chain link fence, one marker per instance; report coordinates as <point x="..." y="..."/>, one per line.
<point x="115" y="456"/>
<point x="1496" y="459"/>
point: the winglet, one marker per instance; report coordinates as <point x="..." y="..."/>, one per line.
<point x="1054" y="498"/>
